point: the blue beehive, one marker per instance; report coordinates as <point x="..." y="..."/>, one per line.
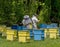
<point x="24" y="28"/>
<point x="38" y="34"/>
<point x="49" y="26"/>
<point x="38" y="31"/>
<point x="42" y="35"/>
<point x="14" y="27"/>
<point x="54" y="25"/>
<point x="43" y="25"/>
<point x="20" y="28"/>
<point x="37" y="37"/>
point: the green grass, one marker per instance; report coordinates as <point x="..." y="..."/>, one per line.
<point x="43" y="43"/>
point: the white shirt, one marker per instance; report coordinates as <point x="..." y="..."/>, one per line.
<point x="34" y="19"/>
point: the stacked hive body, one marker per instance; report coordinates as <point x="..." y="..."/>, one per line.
<point x="14" y="27"/>
<point x="43" y="25"/>
<point x="11" y="34"/>
<point x="20" y="28"/>
<point x="38" y="34"/>
<point x="24" y="36"/>
<point x="51" y="33"/>
<point x="3" y="30"/>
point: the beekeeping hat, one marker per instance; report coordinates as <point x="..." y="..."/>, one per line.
<point x="26" y="16"/>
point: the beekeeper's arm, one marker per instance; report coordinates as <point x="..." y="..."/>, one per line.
<point x="23" y="22"/>
<point x="37" y="20"/>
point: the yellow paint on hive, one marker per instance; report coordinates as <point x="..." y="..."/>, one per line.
<point x="23" y="39"/>
<point x="46" y="30"/>
<point x="11" y="34"/>
<point x="51" y="32"/>
<point x="23" y="33"/>
<point x="53" y="35"/>
<point x="3" y="30"/>
<point x="10" y="31"/>
<point x="24" y="36"/>
<point x="10" y="37"/>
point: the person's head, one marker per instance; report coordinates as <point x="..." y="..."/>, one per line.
<point x="26" y="17"/>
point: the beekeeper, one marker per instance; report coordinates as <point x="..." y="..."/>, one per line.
<point x="27" y="22"/>
<point x="34" y="21"/>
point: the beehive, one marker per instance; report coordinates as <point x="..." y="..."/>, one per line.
<point x="38" y="34"/>
<point x="11" y="34"/>
<point x="53" y="32"/>
<point x="23" y="36"/>
<point x="53" y="35"/>
<point x="3" y="30"/>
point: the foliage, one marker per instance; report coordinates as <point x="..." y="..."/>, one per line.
<point x="12" y="11"/>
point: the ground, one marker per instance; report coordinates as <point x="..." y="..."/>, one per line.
<point x="43" y="43"/>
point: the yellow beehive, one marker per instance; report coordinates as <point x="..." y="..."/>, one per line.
<point x="53" y="33"/>
<point x="23" y="39"/>
<point x="10" y="31"/>
<point x="22" y="33"/>
<point x="3" y="30"/>
<point x="11" y="34"/>
<point x="24" y="36"/>
<point x="10" y="37"/>
<point x="53" y="30"/>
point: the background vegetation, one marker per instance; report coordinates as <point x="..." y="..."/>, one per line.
<point x="12" y="11"/>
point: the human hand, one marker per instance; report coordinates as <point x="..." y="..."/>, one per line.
<point x="38" y="20"/>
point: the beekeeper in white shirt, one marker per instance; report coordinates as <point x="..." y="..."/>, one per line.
<point x="34" y="21"/>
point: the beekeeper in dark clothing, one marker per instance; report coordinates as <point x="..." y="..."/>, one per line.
<point x="27" y="22"/>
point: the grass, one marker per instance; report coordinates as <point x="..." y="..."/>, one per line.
<point x="43" y="43"/>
